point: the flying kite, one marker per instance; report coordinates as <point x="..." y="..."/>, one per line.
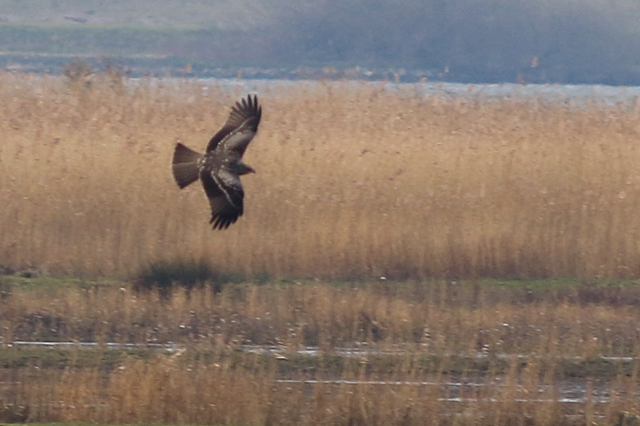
<point x="220" y="167"/>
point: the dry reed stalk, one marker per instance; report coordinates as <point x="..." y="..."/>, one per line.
<point x="174" y="391"/>
<point x="353" y="182"/>
<point x="391" y="317"/>
<point x="430" y="325"/>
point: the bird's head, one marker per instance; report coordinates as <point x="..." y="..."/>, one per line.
<point x="244" y="169"/>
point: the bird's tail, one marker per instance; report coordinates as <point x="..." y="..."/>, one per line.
<point x="185" y="165"/>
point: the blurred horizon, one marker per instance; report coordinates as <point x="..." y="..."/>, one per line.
<point x="467" y="41"/>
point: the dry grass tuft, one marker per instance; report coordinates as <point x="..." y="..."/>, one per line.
<point x="439" y="319"/>
<point x="353" y="182"/>
<point x="432" y="333"/>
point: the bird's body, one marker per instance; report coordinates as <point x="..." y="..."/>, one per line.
<point x="220" y="167"/>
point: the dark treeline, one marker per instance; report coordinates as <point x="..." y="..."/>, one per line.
<point x="559" y="41"/>
<point x="476" y="41"/>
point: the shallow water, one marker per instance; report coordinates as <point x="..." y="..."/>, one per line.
<point x="574" y="94"/>
<point x="453" y="389"/>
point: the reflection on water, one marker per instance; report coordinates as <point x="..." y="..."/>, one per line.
<point x="453" y="389"/>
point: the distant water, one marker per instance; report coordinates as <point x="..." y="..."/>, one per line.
<point x="573" y="94"/>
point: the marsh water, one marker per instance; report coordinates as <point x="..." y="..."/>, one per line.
<point x="453" y="388"/>
<point x="581" y="94"/>
<point x="576" y="94"/>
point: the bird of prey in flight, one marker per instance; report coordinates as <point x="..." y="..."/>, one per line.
<point x="221" y="166"/>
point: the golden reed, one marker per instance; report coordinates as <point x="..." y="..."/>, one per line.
<point x="432" y="334"/>
<point x="353" y="182"/>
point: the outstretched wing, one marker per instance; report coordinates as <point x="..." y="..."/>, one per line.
<point x="225" y="194"/>
<point x="239" y="129"/>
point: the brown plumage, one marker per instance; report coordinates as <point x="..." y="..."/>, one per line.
<point x="221" y="166"/>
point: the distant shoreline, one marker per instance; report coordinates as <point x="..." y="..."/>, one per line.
<point x="227" y="53"/>
<point x="163" y="66"/>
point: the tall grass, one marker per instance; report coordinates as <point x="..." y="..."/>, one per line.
<point x="353" y="182"/>
<point x="432" y="332"/>
<point x="175" y="392"/>
<point x="439" y="319"/>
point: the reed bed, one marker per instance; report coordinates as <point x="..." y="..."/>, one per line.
<point x="432" y="333"/>
<point x="353" y="182"/>
<point x="444" y="318"/>
<point x="166" y="391"/>
<point x="437" y="318"/>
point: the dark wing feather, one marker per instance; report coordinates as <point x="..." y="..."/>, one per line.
<point x="243" y="121"/>
<point x="225" y="194"/>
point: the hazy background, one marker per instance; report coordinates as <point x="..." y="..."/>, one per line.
<point x="559" y="41"/>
